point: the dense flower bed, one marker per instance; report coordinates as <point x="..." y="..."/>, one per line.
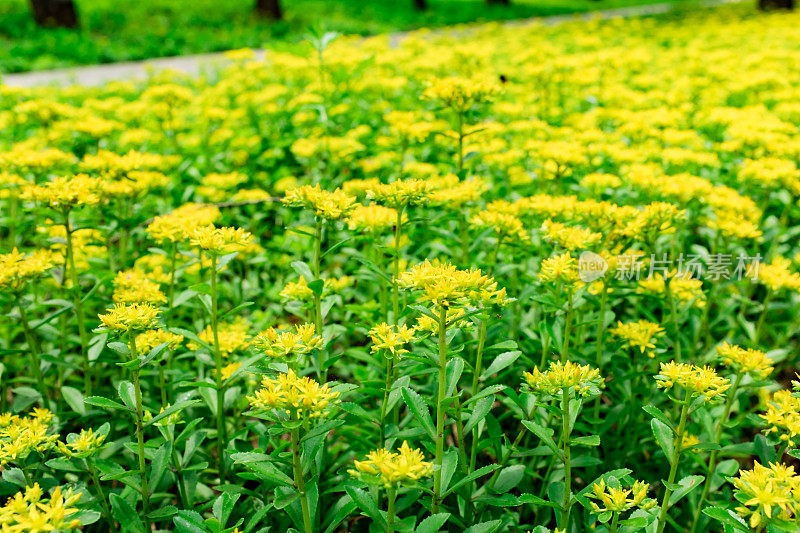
<point x="507" y="279"/>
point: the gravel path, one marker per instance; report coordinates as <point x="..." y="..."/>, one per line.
<point x="194" y="65"/>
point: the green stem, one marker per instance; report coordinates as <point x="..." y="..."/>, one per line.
<point x="386" y="387"/>
<point x="34" y="349"/>
<point x="102" y="495"/>
<point x="318" y="295"/>
<point x="440" y="394"/>
<point x="600" y="343"/>
<point x="565" y="431"/>
<point x="78" y="305"/>
<point x="712" y="460"/>
<point x="391" y="496"/>
<point x="474" y="391"/>
<point x="299" y="482"/>
<point x="567" y="330"/>
<point x="395" y="279"/>
<point x="762" y="318"/>
<point x="673" y="469"/>
<point x="172" y="267"/>
<point x="614" y="522"/>
<point x="140" y="430"/>
<point x="673" y="312"/>
<point x="220" y="384"/>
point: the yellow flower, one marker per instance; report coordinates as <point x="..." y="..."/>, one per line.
<point x="82" y="445"/>
<point x="66" y="192"/>
<point x="233" y="337"/>
<point x="299" y="397"/>
<point x="768" y="492"/>
<point x="127" y="317"/>
<point x="638" y="335"/>
<point x="155" y="337"/>
<point x="618" y="499"/>
<point x="584" y="380"/>
<point x="562" y="268"/>
<point x="134" y="286"/>
<point x="777" y="275"/>
<point x="220" y="241"/>
<point x="181" y="223"/>
<point x="461" y="93"/>
<point x="747" y="360"/>
<point x="384" y="337"/>
<point x="783" y="416"/>
<point x="390" y="469"/>
<point x="444" y="285"/>
<point x="276" y="344"/>
<point x="695" y="380"/>
<point x="328" y="205"/>
<point x="32" y="512"/>
<point x="373" y="218"/>
<point x="569" y="237"/>
<point x="506" y="226"/>
<point x="17" y="269"/>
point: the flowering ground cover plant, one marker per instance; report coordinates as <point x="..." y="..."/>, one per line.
<point x="522" y="279"/>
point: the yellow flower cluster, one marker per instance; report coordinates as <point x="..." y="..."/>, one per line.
<point x="562" y="268"/>
<point x="693" y="379"/>
<point x="583" y="380"/>
<point x="179" y="225"/>
<point x="461" y="93"/>
<point x="640" y="334"/>
<point x="746" y="360"/>
<point x="617" y="499"/>
<point x="444" y="285"/>
<point x="778" y="275"/>
<point x="155" y="337"/>
<point x="32" y="512"/>
<point x="17" y="269"/>
<point x="299" y="397"/>
<point x="328" y="205"/>
<point x="66" y="192"/>
<point x="220" y="241"/>
<point x="391" y="338"/>
<point x="82" y="445"/>
<point x="506" y="226"/>
<point x="134" y="286"/>
<point x="278" y="344"/>
<point x="401" y="193"/>
<point x="783" y="416"/>
<point x="768" y="494"/>
<point x="685" y="289"/>
<point x="22" y="435"/>
<point x="232" y="336"/>
<point x="390" y="469"/>
<point x="130" y="317"/>
<point x="373" y="218"/>
<point x="569" y="237"/>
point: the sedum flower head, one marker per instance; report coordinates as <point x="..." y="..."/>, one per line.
<point x="584" y="380"/>
<point x="17" y="269"/>
<point x="695" y="380"/>
<point x="66" y="192"/>
<point x="461" y="93"/>
<point x="180" y="224"/>
<point x="130" y="317"/>
<point x="22" y="435"/>
<point x="220" y="241"/>
<point x="391" y="338"/>
<point x="328" y="205"/>
<point x="505" y="225"/>
<point x="768" y="494"/>
<point x="232" y="336"/>
<point x="444" y="285"/>
<point x="404" y="467"/>
<point x="783" y="416"/>
<point x="401" y="193"/>
<point x="132" y="286"/>
<point x="373" y="218"/>
<point x="746" y="360"/>
<point x="155" y="337"/>
<point x="84" y="444"/>
<point x="639" y="335"/>
<point x="298" y="397"/>
<point x="569" y="237"/>
<point x="617" y="499"/>
<point x="277" y="344"/>
<point x="297" y="290"/>
<point x="561" y="268"/>
<point x="778" y="275"/>
<point x="31" y="511"/>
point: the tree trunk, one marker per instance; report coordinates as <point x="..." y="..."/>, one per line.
<point x="771" y="5"/>
<point x="269" y="8"/>
<point x="421" y="5"/>
<point x="61" y="13"/>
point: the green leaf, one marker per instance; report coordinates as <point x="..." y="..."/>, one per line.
<point x="727" y="517"/>
<point x="99" y="401"/>
<point x="664" y="438"/>
<point x="482" y="408"/>
<point x="419" y="409"/>
<point x="126" y="515"/>
<point x="127" y="394"/>
<point x="189" y="522"/>
<point x="172" y="409"/>
<point x="367" y="504"/>
<point x="74" y="399"/>
<point x="484" y="527"/>
<point x="433" y="523"/>
<point x="500" y="362"/>
<point x="509" y="478"/>
<point x="453" y="371"/>
<point x="659" y="415"/>
<point x="588" y="441"/>
<point x="473" y="476"/>
<point x="545" y="434"/>
<point x="304" y="270"/>
<point x="449" y="465"/>
<point x="687" y="485"/>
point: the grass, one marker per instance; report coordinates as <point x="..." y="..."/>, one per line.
<point x="157" y="28"/>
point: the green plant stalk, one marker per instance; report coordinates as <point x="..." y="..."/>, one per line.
<point x="673" y="469"/>
<point x="712" y="459"/>
<point x="391" y="496"/>
<point x="396" y="261"/>
<point x="565" y="431"/>
<point x="318" y="297"/>
<point x="140" y="430"/>
<point x="673" y="314"/>
<point x="299" y="482"/>
<point x="34" y="350"/>
<point x="220" y="384"/>
<point x="460" y="117"/>
<point x="763" y="317"/>
<point x="183" y="492"/>
<point x="437" y="469"/>
<point x="102" y="495"/>
<point x="386" y="387"/>
<point x="473" y="454"/>
<point x="567" y="330"/>
<point x="614" y="522"/>
<point x="78" y="305"/>
<point x="600" y="343"/>
<point x="172" y="268"/>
